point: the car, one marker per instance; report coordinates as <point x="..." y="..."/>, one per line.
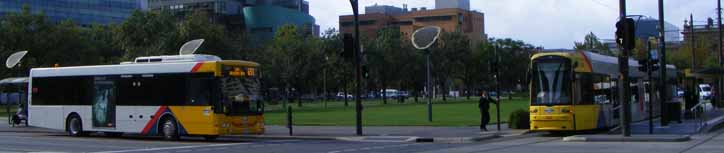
<point x="341" y="95"/>
<point x="705" y="91"/>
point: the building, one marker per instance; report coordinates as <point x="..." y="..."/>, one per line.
<point x="470" y="23"/>
<point x="264" y="17"/>
<point x="84" y="13"/>
<point x="647" y="27"/>
<point x="259" y="18"/>
<point x="461" y="4"/>
<point x="706" y="36"/>
<point x="226" y="12"/>
<point x="384" y="9"/>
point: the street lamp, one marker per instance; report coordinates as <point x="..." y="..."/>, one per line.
<point x="422" y="39"/>
<point x="11" y="62"/>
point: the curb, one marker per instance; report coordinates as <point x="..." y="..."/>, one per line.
<point x="635" y="138"/>
<point x="458" y="139"/>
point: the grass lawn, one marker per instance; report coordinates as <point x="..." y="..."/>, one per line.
<point x="3" y="112"/>
<point x="455" y="112"/>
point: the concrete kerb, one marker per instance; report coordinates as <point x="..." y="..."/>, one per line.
<point x="633" y="138"/>
<point x="415" y="139"/>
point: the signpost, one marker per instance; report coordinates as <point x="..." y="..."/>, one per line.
<point x="422" y="39"/>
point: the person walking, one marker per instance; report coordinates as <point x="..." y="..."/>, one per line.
<point x="484" y="105"/>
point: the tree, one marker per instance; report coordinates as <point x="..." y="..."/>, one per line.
<point x="592" y="43"/>
<point x="147" y="34"/>
<point x="446" y="57"/>
<point x="292" y="58"/>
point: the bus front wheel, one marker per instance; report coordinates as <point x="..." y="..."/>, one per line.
<point x="169" y="129"/>
<point x="74" y="126"/>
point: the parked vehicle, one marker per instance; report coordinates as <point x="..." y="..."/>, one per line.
<point x="704" y="91"/>
<point x="341" y="95"/>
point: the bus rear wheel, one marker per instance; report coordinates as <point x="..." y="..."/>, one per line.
<point x="74" y="126"/>
<point x="169" y="129"/>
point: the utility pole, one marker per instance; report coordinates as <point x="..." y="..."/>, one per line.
<point x="650" y="87"/>
<point x="497" y="86"/>
<point x="692" y="45"/>
<point x="663" y="91"/>
<point x="358" y="74"/>
<point x="624" y="89"/>
<point x="721" y="54"/>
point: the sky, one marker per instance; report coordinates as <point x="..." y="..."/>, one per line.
<point x="548" y="23"/>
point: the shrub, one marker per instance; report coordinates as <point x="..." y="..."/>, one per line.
<point x="519" y="119"/>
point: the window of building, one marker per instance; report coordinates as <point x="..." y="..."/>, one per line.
<point x="434" y="18"/>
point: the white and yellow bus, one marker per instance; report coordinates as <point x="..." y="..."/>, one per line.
<point x="171" y="96"/>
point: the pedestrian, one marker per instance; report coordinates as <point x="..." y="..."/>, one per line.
<point x="484" y="105"/>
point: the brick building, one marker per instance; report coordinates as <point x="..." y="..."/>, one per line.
<point x="470" y="23"/>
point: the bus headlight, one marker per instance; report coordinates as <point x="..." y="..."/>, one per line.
<point x="534" y="111"/>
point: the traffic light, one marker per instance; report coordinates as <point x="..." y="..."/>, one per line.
<point x="654" y="64"/>
<point x="625" y="33"/>
<point x="643" y="65"/>
<point x="348" y="51"/>
<point x="365" y="72"/>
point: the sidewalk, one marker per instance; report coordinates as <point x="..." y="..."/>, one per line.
<point x="686" y="127"/>
<point x="347" y="133"/>
<point x="391" y="133"/>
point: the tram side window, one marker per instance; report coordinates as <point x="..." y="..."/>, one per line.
<point x="594" y="89"/>
<point x="61" y="91"/>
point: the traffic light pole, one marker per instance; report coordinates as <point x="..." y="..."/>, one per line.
<point x="497" y="87"/>
<point x="358" y="76"/>
<point x="650" y="87"/>
<point x="624" y="89"/>
<point x="663" y="91"/>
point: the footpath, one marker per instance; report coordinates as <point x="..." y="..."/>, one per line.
<point x="347" y="133"/>
<point x="673" y="132"/>
<point x="392" y="133"/>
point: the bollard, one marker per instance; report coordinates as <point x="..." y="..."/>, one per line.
<point x="289" y="120"/>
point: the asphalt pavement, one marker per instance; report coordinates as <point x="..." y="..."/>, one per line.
<point x="41" y="140"/>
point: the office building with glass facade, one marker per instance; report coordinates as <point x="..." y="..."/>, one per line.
<point x="82" y="12"/>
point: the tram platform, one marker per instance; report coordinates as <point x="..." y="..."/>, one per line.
<point x="712" y="119"/>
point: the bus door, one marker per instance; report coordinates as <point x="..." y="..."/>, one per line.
<point x="104" y="103"/>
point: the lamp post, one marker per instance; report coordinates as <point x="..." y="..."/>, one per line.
<point x="422" y="39"/>
<point x="324" y="80"/>
<point x="11" y="62"/>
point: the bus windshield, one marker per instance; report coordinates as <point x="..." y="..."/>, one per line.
<point x="241" y="95"/>
<point x="551" y="82"/>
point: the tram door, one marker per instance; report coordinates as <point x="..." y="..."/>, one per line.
<point x="104" y="103"/>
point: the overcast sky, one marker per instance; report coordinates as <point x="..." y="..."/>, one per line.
<point x="547" y="23"/>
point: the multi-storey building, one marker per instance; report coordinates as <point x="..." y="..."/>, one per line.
<point x="470" y="23"/>
<point x="82" y="12"/>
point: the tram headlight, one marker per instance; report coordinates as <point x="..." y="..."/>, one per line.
<point x="565" y="110"/>
<point x="534" y="111"/>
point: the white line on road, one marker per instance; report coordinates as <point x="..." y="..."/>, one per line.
<point x="170" y="148"/>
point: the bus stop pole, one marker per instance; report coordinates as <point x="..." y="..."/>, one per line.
<point x="7" y="104"/>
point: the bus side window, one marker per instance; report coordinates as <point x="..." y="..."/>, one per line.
<point x="199" y="91"/>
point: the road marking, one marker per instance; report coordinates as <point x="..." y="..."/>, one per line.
<point x="170" y="148"/>
<point x="367" y="149"/>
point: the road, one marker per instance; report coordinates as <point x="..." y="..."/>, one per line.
<point x="58" y="142"/>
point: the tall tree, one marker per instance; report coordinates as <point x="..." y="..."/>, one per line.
<point x="592" y="43"/>
<point x="147" y="34"/>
